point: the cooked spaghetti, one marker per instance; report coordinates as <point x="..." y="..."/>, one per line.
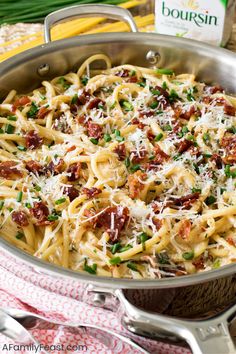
<point x="123" y="172"/>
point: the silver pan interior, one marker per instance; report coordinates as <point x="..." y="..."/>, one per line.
<point x="24" y="72"/>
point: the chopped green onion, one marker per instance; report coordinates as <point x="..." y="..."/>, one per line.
<point x="232" y="130"/>
<point x="158" y="137"/>
<point x="206" y="138"/>
<point x="142" y="83"/>
<point x="9" y="129"/>
<point x="94" y="141"/>
<point x="115" y="248"/>
<point x="163" y="258"/>
<point x="127" y="106"/>
<point x="19" y="197"/>
<point x="125" y="248"/>
<point x="190" y="137"/>
<point x="188" y="255"/>
<point x="173" y="96"/>
<point x="127" y="162"/>
<point x="62" y="81"/>
<point x="90" y="269"/>
<point x="164" y="85"/>
<point x="132" y="266"/>
<point x="177" y="156"/>
<point x="118" y="137"/>
<point x="132" y="73"/>
<point x="184" y="130"/>
<point x="52" y="217"/>
<point x="100" y="106"/>
<point x="107" y="138"/>
<point x="74" y="99"/>
<point x="33" y="110"/>
<point x="207" y="155"/>
<point x="19" y="235"/>
<point x="115" y="261"/>
<point x="10" y="209"/>
<point x="135" y="168"/>
<point x="167" y="127"/>
<point x="84" y="80"/>
<point x="21" y="148"/>
<point x="210" y="200"/>
<point x="196" y="190"/>
<point x="154" y="105"/>
<point x="164" y="71"/>
<point x="227" y="171"/>
<point x="222" y="190"/>
<point x="143" y="237"/>
<point x="1" y="131"/>
<point x="12" y="118"/>
<point x="196" y="168"/>
<point x="60" y="201"/>
<point x="37" y="188"/>
<point x="28" y="205"/>
<point x="155" y="92"/>
<point x="216" y="264"/>
<point x="1" y="204"/>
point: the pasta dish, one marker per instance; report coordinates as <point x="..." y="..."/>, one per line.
<point x="124" y="172"/>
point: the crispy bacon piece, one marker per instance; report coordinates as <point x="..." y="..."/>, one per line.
<point x="74" y="171"/>
<point x="40" y="212"/>
<point x="33" y="140"/>
<point x="229" y="143"/>
<point x="9" y="171"/>
<point x="43" y="111"/>
<point x="138" y="156"/>
<point x="113" y="219"/>
<point x="123" y="73"/>
<point x="135" y="183"/>
<point x="90" y="213"/>
<point x="20" y="218"/>
<point x="184" y="145"/>
<point x="81" y="119"/>
<point x="231" y="241"/>
<point x="33" y="166"/>
<point x="217" y="160"/>
<point x="157" y="222"/>
<point x="186" y="114"/>
<point x="71" y="148"/>
<point x="20" y="102"/>
<point x="145" y="114"/>
<point x="71" y="192"/>
<point x="185" y="228"/>
<point x="61" y="124"/>
<point x="91" y="192"/>
<point x="160" y="155"/>
<point x="55" y="169"/>
<point x="213" y="89"/>
<point x="94" y="103"/>
<point x="229" y="109"/>
<point x="132" y="79"/>
<point x="199" y="263"/>
<point x="83" y="97"/>
<point x="94" y="130"/>
<point x="120" y="150"/>
<point x="186" y="201"/>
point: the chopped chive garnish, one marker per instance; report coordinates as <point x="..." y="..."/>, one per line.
<point x="74" y="99"/>
<point x="37" y="188"/>
<point x="154" y="105"/>
<point x="210" y="200"/>
<point x="142" y="83"/>
<point x="127" y="162"/>
<point x="21" y="148"/>
<point x="28" y="205"/>
<point x="127" y="105"/>
<point x="115" y="248"/>
<point x="10" y="209"/>
<point x="227" y="171"/>
<point x="100" y="106"/>
<point x="115" y="261"/>
<point x="19" y="235"/>
<point x="90" y="269"/>
<point x="60" y="201"/>
<point x="135" y="168"/>
<point x="164" y="71"/>
<point x="206" y="137"/>
<point x="9" y="129"/>
<point x="19" y="197"/>
<point x="33" y="110"/>
<point x="188" y="255"/>
<point x="173" y="96"/>
<point x="125" y="248"/>
<point x="12" y="118"/>
<point x="190" y="137"/>
<point x="94" y="141"/>
<point x="158" y="137"/>
<point x="52" y="217"/>
<point x="62" y="81"/>
<point x="107" y="138"/>
<point x="1" y="204"/>
<point x="184" y="130"/>
<point x="143" y="237"/>
<point x="132" y="266"/>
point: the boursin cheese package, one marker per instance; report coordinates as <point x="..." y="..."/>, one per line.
<point x="204" y="20"/>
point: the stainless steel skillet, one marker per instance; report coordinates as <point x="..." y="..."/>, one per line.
<point x="25" y="71"/>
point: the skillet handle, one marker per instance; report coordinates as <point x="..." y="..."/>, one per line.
<point x="203" y="336"/>
<point x="109" y="11"/>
